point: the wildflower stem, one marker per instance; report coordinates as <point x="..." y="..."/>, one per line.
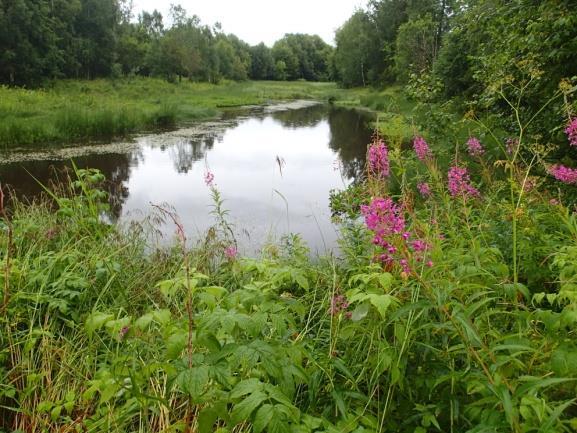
<point x="4" y="216"/>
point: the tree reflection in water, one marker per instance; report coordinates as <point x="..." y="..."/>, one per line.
<point x="343" y="132"/>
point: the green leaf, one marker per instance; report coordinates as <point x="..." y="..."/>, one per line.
<point x="243" y="410"/>
<point x="162" y="316"/>
<point x="168" y="288"/>
<point x="381" y="303"/>
<point x="263" y="417"/>
<point x="360" y="312"/>
<point x="193" y="381"/>
<point x="175" y="344"/>
<point x="96" y="321"/>
<point x="44" y="406"/>
<point x="115" y="326"/>
<point x="143" y="322"/>
<point x="245" y="387"/>
<point x="55" y="413"/>
<point x="216" y="291"/>
<point x="385" y="280"/>
<point x="301" y="280"/>
<point x="207" y="417"/>
<point x="546" y="427"/>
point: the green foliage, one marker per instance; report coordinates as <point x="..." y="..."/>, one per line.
<point x="416" y="48"/>
<point x="101" y="331"/>
<point x="47" y="39"/>
<point x="353" y="46"/>
<point x="302" y="57"/>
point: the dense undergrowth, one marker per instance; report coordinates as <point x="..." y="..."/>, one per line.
<point x="452" y="307"/>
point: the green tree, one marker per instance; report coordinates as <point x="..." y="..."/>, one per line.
<point x="353" y="50"/>
<point x="262" y="63"/>
<point x="32" y="48"/>
<point x="416" y="47"/>
<point x="96" y="28"/>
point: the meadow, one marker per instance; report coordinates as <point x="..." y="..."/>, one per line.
<point x="80" y="111"/>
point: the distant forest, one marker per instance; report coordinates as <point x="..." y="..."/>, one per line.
<point x="85" y="39"/>
<point x="441" y="48"/>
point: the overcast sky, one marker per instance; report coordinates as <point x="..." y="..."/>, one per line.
<point x="265" y="21"/>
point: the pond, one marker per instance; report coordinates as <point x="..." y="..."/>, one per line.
<point x="274" y="167"/>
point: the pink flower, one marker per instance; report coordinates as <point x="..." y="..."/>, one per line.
<point x="379" y="159"/>
<point x="405" y="265"/>
<point x="384" y="218"/>
<point x="475" y="147"/>
<point x="571" y="131"/>
<point x="208" y="178"/>
<point x="460" y="183"/>
<point x="564" y="174"/>
<point x="230" y="252"/>
<point x="424" y="189"/>
<point x="338" y="304"/>
<point x="419" y="246"/>
<point x="554" y="202"/>
<point x="421" y="148"/>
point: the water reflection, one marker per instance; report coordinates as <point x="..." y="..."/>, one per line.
<point x="242" y="152"/>
<point x="303" y="118"/>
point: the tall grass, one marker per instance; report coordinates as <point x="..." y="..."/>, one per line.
<point x="73" y="111"/>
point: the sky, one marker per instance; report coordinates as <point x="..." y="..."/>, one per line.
<point x="256" y="21"/>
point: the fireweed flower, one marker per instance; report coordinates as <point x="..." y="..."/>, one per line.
<point x="379" y="159"/>
<point x="338" y="304"/>
<point x="384" y="218"/>
<point x="475" y="147"/>
<point x="405" y="265"/>
<point x="424" y="189"/>
<point x="460" y="183"/>
<point x="564" y="174"/>
<point x="419" y="246"/>
<point x="571" y="131"/>
<point x="208" y="178"/>
<point x="421" y="148"/>
<point x="230" y="252"/>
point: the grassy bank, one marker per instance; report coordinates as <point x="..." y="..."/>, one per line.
<point x="80" y="111"/>
<point x="73" y="111"/>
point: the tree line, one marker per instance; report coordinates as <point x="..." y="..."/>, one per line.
<point x="49" y="39"/>
<point x="460" y="47"/>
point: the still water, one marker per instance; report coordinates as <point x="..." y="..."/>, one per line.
<point x="273" y="166"/>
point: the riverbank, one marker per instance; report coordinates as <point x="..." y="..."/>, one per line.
<point x="80" y="111"/>
<point x="94" y="111"/>
<point x="102" y="331"/>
